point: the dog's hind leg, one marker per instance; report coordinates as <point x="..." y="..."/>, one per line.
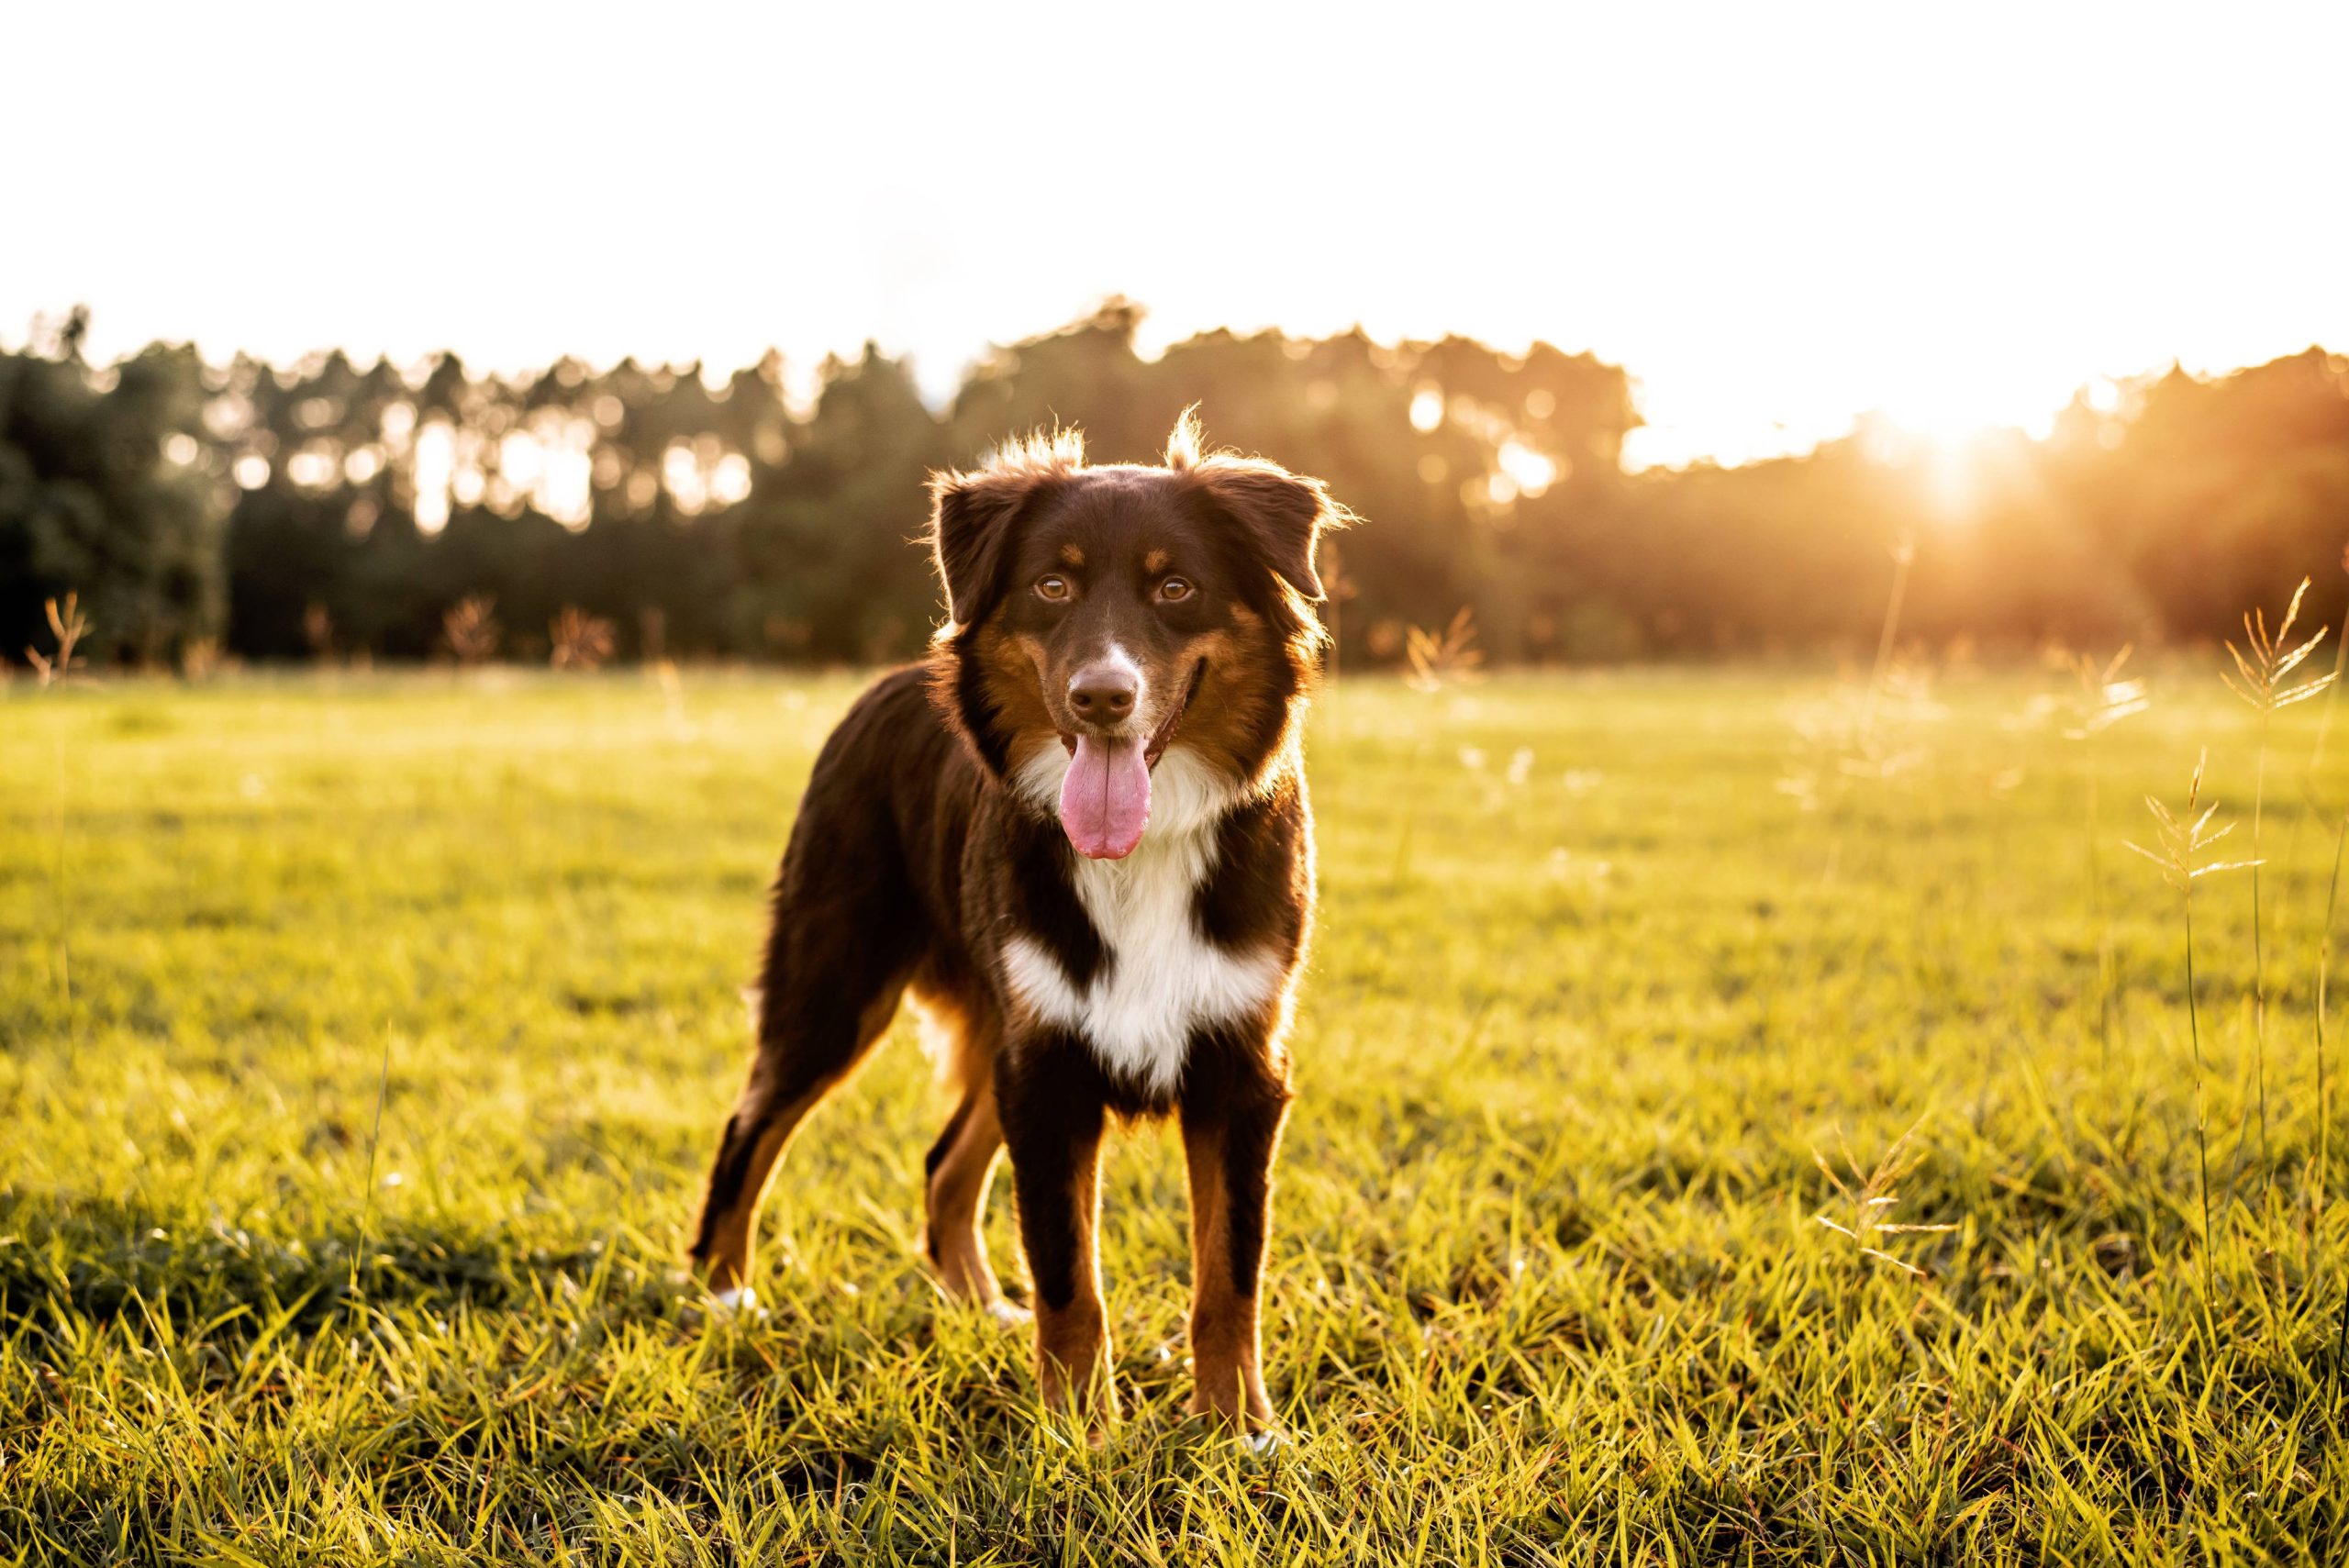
<point x="808" y="1044"/>
<point x="961" y="1166"/>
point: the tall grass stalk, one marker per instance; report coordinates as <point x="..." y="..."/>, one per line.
<point x="2104" y="983"/>
<point x="2333" y="692"/>
<point x="61" y="941"/>
<point x="2341" y="1345"/>
<point x="2201" y="1103"/>
<point x="2104" y="700"/>
<point x="2265" y="683"/>
<point x="1860" y="744"/>
<point x="374" y="1143"/>
<point x="1439" y="659"/>
<point x="68" y="627"/>
<point x="2324" y="1105"/>
<point x="2323" y="1173"/>
<point x="2182" y="840"/>
<point x="1903" y="555"/>
<point x="2258" y="943"/>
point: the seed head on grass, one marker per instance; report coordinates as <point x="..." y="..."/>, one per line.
<point x="1444" y="659"/>
<point x="471" y="628"/>
<point x="2104" y="699"/>
<point x="1875" y="734"/>
<point x="581" y="642"/>
<point x="2182" y="840"/>
<point x="69" y="626"/>
<point x="1867" y="1196"/>
<point x="2264" y="675"/>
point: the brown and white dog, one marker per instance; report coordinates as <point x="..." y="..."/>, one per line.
<point x="1079" y="836"/>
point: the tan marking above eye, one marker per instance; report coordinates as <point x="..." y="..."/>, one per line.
<point x="1156" y="562"/>
<point x="1071" y="555"/>
<point x="1053" y="588"/>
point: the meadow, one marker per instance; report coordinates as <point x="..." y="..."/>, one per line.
<point x="362" y="1039"/>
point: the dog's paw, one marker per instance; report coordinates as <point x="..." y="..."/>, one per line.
<point x="1261" y="1445"/>
<point x="737" y="1303"/>
<point x="1009" y="1314"/>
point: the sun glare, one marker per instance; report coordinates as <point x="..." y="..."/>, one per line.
<point x="1941" y="236"/>
<point x="1529" y="471"/>
<point x="1951" y="467"/>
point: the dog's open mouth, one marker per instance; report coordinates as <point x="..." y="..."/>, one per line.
<point x="1165" y="736"/>
<point x="1105" y="797"/>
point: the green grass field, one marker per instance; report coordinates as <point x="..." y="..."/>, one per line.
<point x="363" y="1039"/>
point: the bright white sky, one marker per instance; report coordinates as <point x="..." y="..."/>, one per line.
<point x="1775" y="217"/>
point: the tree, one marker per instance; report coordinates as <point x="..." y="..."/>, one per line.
<point x="106" y="491"/>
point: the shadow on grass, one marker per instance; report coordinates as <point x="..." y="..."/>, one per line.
<point x="100" y="1259"/>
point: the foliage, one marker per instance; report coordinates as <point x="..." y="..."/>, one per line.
<point x="102" y="496"/>
<point x="707" y="515"/>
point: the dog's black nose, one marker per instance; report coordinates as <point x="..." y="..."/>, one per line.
<point x="1102" y="693"/>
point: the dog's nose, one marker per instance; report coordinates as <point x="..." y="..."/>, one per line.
<point x="1102" y="693"/>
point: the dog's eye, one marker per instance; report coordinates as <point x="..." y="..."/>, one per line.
<point x="1176" y="588"/>
<point x="1053" y="588"/>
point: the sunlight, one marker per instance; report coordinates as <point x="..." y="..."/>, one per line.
<point x="1947" y="465"/>
<point x="436" y="457"/>
<point x="1952" y="469"/>
<point x="1528" y="469"/>
<point x="1904" y="271"/>
<point x="1956" y="410"/>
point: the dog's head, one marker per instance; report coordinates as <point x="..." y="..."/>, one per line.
<point x="1109" y="626"/>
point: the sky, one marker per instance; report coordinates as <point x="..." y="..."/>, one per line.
<point x="1775" y="217"/>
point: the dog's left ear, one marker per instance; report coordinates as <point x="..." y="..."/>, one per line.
<point x="1283" y="512"/>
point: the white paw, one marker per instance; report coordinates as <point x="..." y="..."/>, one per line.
<point x="739" y="1302"/>
<point x="1008" y="1315"/>
<point x="1261" y="1445"/>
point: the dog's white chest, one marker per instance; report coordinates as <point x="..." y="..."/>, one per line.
<point x="1164" y="979"/>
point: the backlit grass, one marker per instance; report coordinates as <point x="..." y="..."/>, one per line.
<point x="1597" y="1008"/>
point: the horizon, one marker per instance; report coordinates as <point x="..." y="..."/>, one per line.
<point x="2102" y="394"/>
<point x="1958" y="219"/>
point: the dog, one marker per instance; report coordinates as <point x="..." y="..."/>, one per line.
<point x="1079" y="836"/>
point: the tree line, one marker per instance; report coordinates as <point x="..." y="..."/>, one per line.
<point x="334" y="509"/>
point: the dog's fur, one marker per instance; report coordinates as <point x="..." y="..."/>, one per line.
<point x="926" y="859"/>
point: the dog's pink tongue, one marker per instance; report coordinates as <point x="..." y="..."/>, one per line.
<point x="1104" y="800"/>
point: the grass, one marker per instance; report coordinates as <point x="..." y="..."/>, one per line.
<point x="1549" y="1283"/>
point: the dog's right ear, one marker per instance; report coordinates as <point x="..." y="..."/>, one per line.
<point x="969" y="522"/>
<point x="973" y="516"/>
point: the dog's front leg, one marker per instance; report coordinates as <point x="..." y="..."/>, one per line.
<point x="1231" y="1128"/>
<point x="1052" y="1108"/>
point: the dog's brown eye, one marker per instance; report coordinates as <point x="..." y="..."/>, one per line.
<point x="1053" y="588"/>
<point x="1176" y="588"/>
